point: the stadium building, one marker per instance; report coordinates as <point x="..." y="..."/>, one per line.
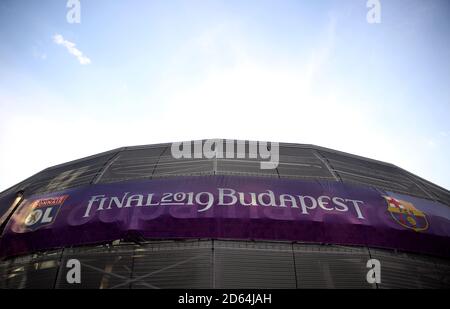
<point x="137" y="217"/>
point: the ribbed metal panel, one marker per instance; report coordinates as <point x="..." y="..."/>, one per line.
<point x="132" y="164"/>
<point x="184" y="168"/>
<point x="443" y="267"/>
<point x="3" y="274"/>
<point x="304" y="171"/>
<point x="80" y="173"/>
<point x="367" y="172"/>
<point x="224" y="264"/>
<point x="295" y="161"/>
<point x="381" y="183"/>
<point x="173" y="265"/>
<point x="30" y="272"/>
<point x="328" y="267"/>
<point x="152" y="162"/>
<point x="298" y="162"/>
<point x="406" y="271"/>
<point x="102" y="267"/>
<point x="252" y="265"/>
<point x="243" y="167"/>
<point x="297" y="154"/>
<point x="439" y="193"/>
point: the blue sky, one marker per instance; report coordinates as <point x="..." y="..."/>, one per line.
<point x="289" y="71"/>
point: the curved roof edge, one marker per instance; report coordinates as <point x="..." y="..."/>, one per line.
<point x="116" y="151"/>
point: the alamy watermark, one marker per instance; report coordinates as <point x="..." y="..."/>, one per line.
<point x="267" y="152"/>
<point x="374" y="14"/>
<point x="73" y="276"/>
<point x="374" y="274"/>
<point x="74" y="14"/>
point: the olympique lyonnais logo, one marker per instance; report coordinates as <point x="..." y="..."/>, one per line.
<point x="405" y="214"/>
<point x="43" y="212"/>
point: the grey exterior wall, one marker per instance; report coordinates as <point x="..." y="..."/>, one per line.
<point x="223" y="264"/>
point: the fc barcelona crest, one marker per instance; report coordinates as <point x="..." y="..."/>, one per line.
<point x="43" y="212"/>
<point x="405" y="214"/>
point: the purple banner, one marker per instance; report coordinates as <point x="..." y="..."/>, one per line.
<point x="229" y="207"/>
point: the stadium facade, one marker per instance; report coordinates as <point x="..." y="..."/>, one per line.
<point x="136" y="217"/>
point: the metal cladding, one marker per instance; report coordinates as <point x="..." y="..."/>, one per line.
<point x="313" y="196"/>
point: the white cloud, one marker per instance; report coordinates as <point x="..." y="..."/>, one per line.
<point x="431" y="143"/>
<point x="59" y="39"/>
<point x="444" y="134"/>
<point x="38" y="54"/>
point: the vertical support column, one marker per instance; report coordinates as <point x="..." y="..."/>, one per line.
<point x="103" y="169"/>
<point x="327" y="164"/>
